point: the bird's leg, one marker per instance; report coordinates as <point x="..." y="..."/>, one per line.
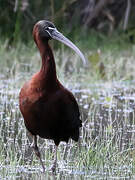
<point x="55" y="159"/>
<point x="35" y="147"/>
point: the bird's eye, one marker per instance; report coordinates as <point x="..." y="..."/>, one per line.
<point x="47" y="28"/>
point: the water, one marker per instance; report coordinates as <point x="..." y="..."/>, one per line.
<point x="107" y="139"/>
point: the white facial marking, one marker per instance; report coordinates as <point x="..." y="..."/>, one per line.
<point x="51" y="28"/>
<point x="48" y="32"/>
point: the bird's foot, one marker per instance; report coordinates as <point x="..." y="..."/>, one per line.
<point x="53" y="167"/>
<point x="43" y="169"/>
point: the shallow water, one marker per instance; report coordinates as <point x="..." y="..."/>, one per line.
<point x="107" y="139"/>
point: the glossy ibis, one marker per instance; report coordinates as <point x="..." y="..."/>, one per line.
<point x="48" y="108"/>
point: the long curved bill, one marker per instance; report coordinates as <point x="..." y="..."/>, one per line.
<point x="60" y="37"/>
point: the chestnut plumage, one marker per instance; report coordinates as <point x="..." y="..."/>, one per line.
<point x="48" y="108"/>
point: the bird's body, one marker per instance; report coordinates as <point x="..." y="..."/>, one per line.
<point x="49" y="109"/>
<point x="51" y="115"/>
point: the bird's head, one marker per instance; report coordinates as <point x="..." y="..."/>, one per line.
<point x="47" y="31"/>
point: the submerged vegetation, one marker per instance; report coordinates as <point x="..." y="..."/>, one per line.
<point x="105" y="91"/>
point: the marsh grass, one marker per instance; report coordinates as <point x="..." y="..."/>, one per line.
<point x="107" y="105"/>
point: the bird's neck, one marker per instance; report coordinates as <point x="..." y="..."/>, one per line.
<point x="48" y="68"/>
<point x="47" y="72"/>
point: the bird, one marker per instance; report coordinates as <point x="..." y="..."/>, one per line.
<point x="49" y="110"/>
